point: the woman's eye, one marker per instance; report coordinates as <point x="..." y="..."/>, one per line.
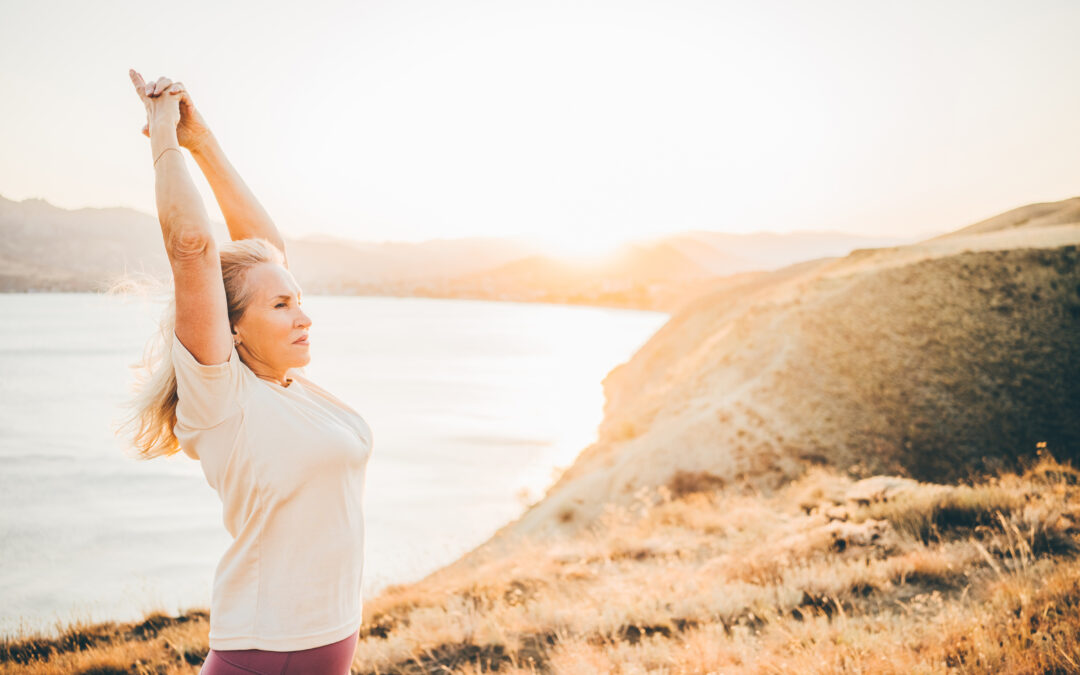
<point x="280" y="304"/>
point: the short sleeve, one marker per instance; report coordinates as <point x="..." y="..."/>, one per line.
<point x="207" y="394"/>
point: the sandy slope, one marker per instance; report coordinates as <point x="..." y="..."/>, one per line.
<point x="1044" y="214"/>
<point x="937" y="360"/>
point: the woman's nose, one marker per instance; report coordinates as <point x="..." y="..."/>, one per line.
<point x="305" y="320"/>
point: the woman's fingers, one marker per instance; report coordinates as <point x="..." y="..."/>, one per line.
<point x="185" y="100"/>
<point x="155" y="89"/>
<point x="140" y="85"/>
<point x="160" y="85"/>
<point x="185" y="97"/>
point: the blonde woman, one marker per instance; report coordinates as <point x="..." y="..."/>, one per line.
<point x="287" y="458"/>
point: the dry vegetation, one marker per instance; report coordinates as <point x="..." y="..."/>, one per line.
<point x="828" y="574"/>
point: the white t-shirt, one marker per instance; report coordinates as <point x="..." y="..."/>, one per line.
<point x="289" y="464"/>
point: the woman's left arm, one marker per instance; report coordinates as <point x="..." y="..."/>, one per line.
<point x="244" y="215"/>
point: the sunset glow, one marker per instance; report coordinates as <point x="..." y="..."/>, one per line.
<point x="413" y="120"/>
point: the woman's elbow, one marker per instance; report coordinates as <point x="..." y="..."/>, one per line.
<point x="186" y="241"/>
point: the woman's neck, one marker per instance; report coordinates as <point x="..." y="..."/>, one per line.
<point x="262" y="370"/>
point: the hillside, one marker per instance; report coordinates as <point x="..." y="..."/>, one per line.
<point x="944" y="360"/>
<point x="1031" y="216"/>
<point x="772" y="250"/>
<point x="43" y="247"/>
<point x="47" y="248"/>
<point x="827" y="575"/>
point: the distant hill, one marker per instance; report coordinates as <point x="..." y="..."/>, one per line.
<point x="47" y="248"/>
<point x="43" y="247"/>
<point x="346" y="266"/>
<point x="939" y="360"/>
<point x="632" y="276"/>
<point x="770" y="250"/>
<point x="661" y="273"/>
<point x="1046" y="214"/>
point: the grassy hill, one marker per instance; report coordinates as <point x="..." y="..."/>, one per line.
<point x="826" y="575"/>
<point x="940" y="361"/>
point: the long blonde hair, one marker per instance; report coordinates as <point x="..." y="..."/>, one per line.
<point x="149" y="426"/>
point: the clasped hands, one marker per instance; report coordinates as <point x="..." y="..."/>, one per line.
<point x="168" y="103"/>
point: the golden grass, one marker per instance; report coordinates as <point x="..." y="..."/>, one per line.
<point x="826" y="575"/>
<point x="157" y="644"/>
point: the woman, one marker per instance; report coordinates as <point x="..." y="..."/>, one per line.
<point x="287" y="458"/>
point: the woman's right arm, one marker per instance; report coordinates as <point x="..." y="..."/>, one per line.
<point x="202" y="319"/>
<point x="244" y="215"/>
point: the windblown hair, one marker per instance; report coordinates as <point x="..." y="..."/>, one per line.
<point x="153" y="408"/>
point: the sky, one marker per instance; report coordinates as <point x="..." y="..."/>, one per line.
<point x="582" y="123"/>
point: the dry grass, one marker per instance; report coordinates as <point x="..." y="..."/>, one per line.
<point x="826" y="575"/>
<point x="157" y="644"/>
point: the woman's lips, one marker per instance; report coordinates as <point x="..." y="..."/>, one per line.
<point x="301" y="341"/>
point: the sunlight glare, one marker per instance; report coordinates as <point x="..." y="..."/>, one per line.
<point x="583" y="249"/>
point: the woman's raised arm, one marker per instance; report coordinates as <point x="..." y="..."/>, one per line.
<point x="202" y="316"/>
<point x="244" y="215"/>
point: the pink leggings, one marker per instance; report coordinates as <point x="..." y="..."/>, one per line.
<point x="331" y="659"/>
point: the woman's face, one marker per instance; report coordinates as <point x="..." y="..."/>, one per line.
<point x="273" y="322"/>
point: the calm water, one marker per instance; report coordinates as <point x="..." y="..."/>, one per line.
<point x="472" y="405"/>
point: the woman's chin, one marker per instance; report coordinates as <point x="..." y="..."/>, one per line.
<point x="298" y="356"/>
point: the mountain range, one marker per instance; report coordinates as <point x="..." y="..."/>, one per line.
<point x="47" y="248"/>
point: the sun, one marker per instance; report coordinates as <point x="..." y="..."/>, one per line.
<point x="582" y="249"/>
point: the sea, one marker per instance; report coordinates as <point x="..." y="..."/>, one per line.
<point x="475" y="406"/>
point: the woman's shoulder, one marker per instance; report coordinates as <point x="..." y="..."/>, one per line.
<point x="208" y="394"/>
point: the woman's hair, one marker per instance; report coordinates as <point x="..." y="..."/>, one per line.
<point x="153" y="408"/>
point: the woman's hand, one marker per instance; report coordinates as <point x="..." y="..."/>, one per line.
<point x="163" y="110"/>
<point x="191" y="129"/>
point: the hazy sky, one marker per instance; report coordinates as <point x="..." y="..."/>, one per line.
<point x="586" y="122"/>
